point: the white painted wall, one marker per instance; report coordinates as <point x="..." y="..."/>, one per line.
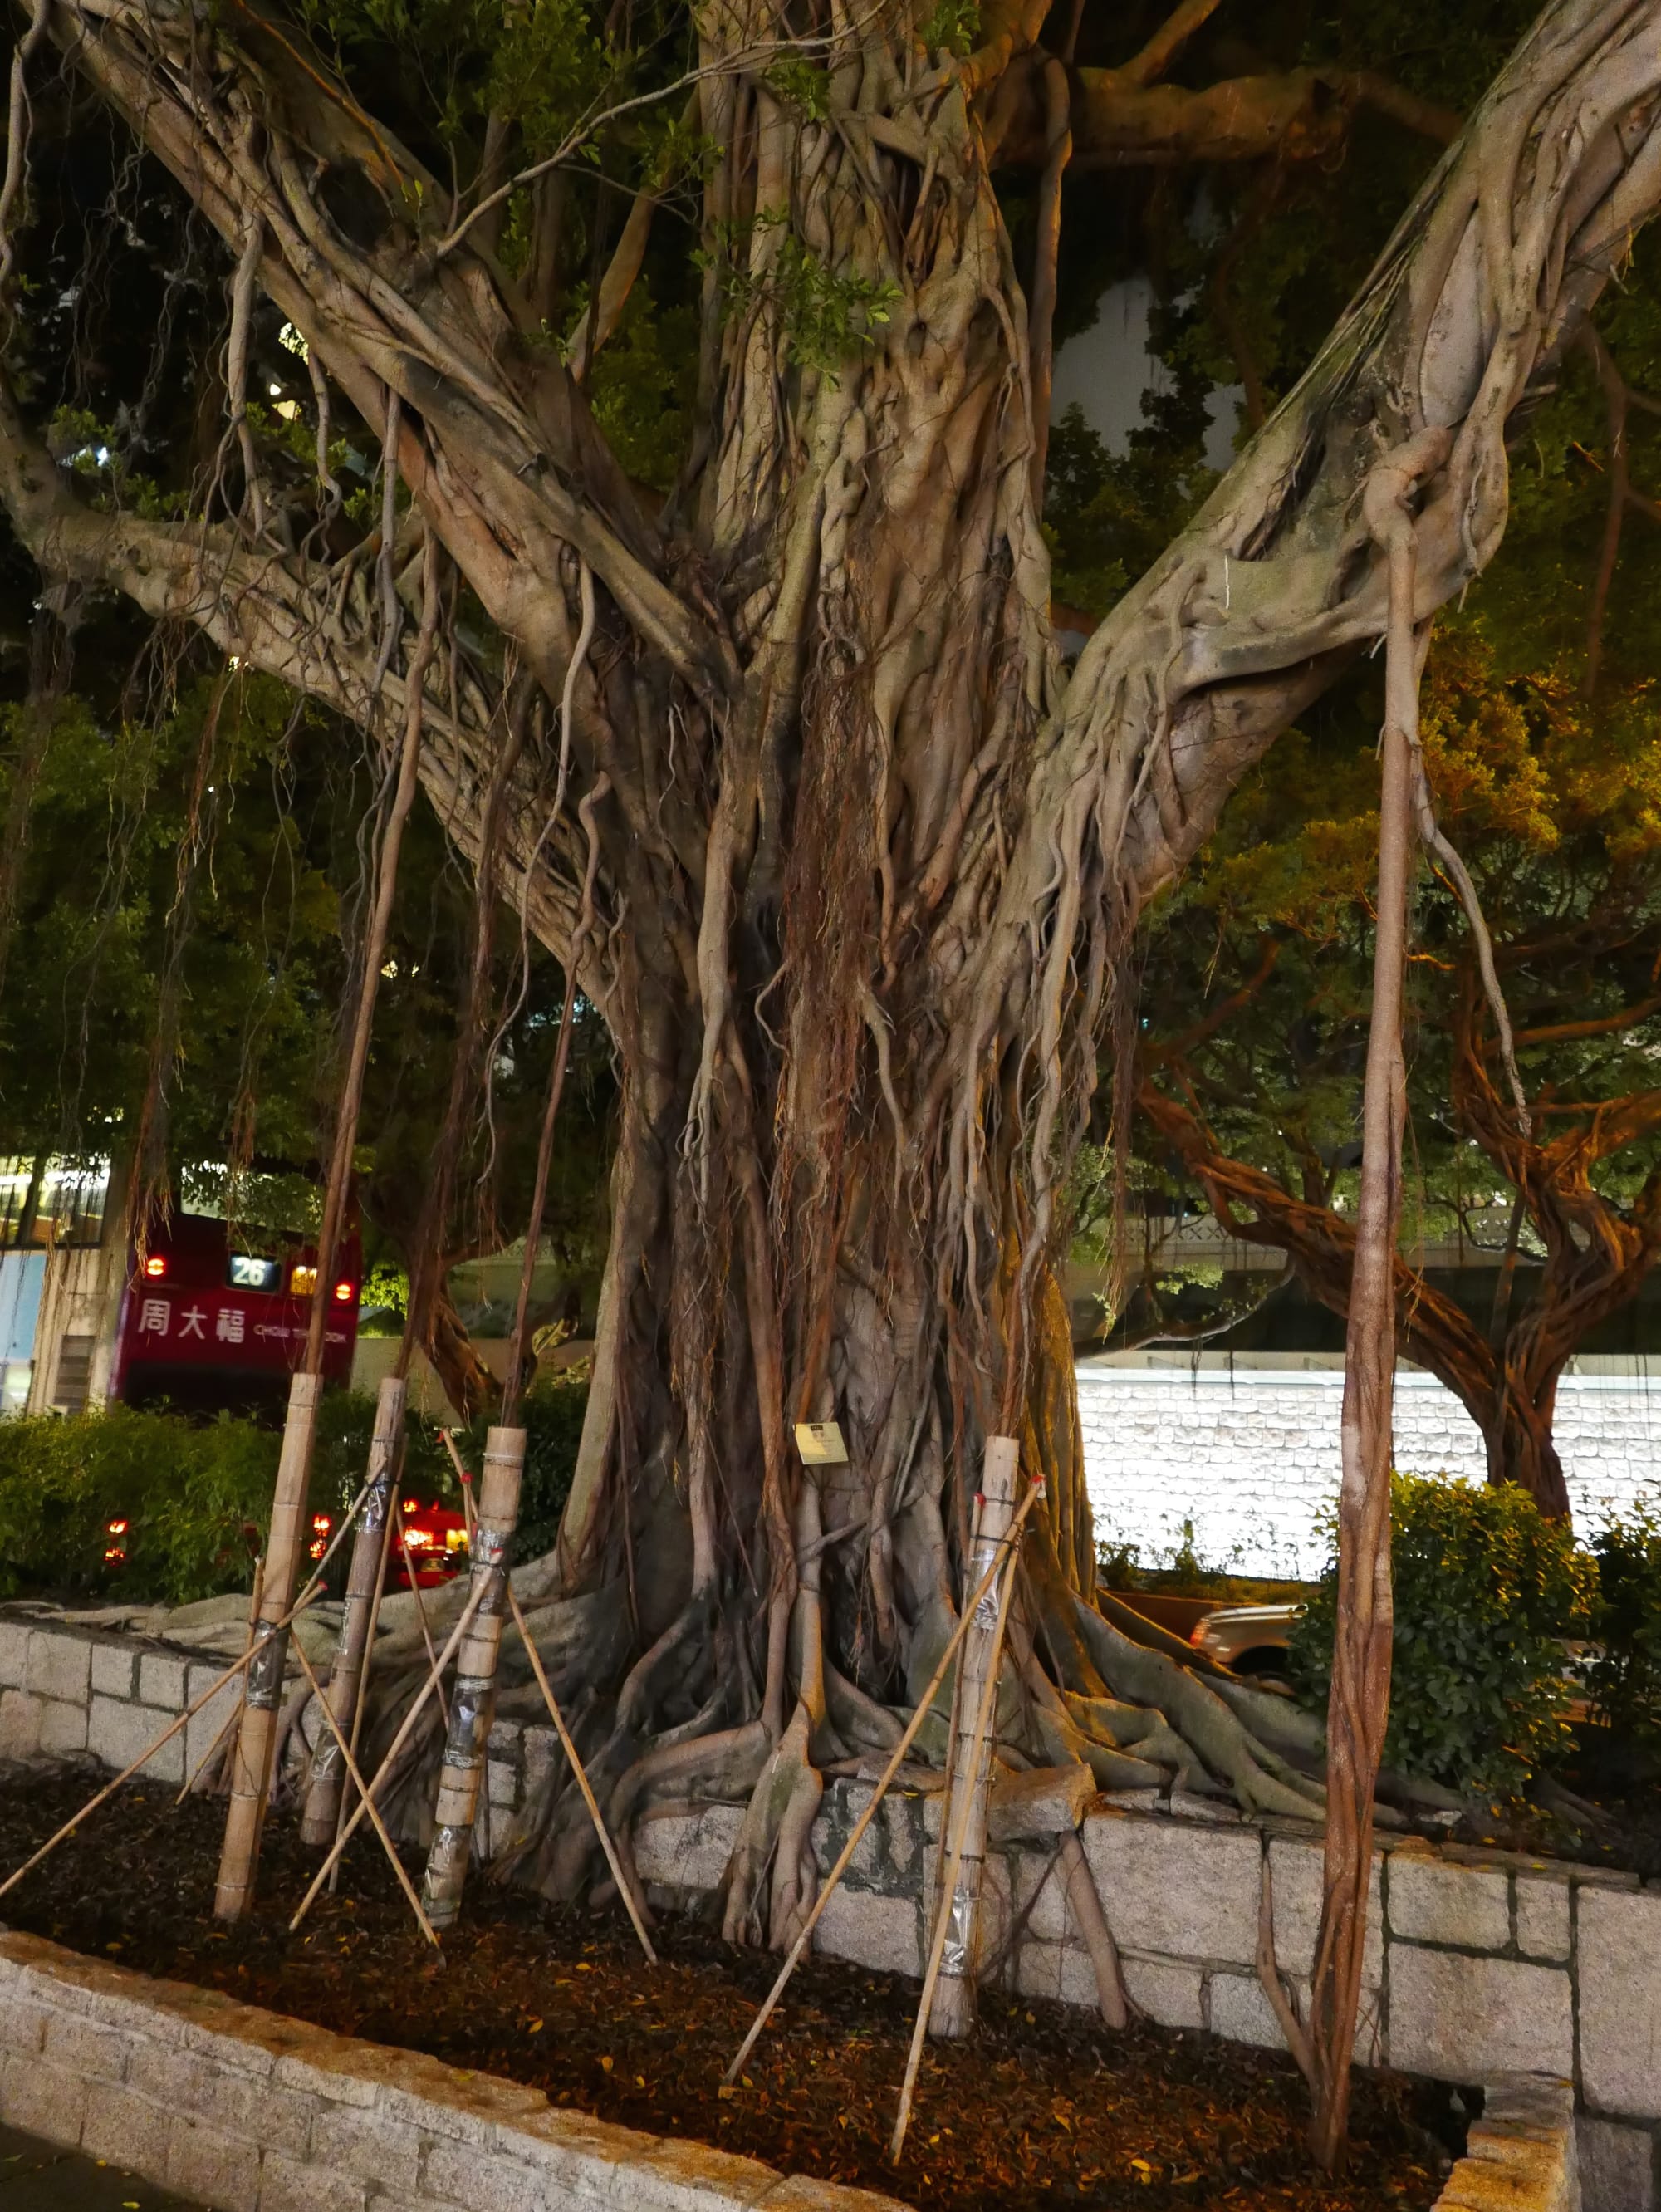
<point x="1250" y="1455"/>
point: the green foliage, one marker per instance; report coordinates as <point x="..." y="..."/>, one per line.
<point x="1108" y="517"/>
<point x="194" y="1500"/>
<point x="1486" y="1589"/>
<point x="824" y="314"/>
<point x="1625" y="1674"/>
<point x="642" y="387"/>
<point x="802" y="84"/>
<point x="953" y="27"/>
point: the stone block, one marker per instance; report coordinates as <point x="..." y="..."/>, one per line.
<point x="1037" y="1969"/>
<point x="1542" y="1917"/>
<point x="1041" y="1898"/>
<point x="504" y="1783"/>
<point x="368" y="2145"/>
<point x="202" y="1732"/>
<point x="870" y="1930"/>
<point x="1464" y="2019"/>
<point x="1294" y="1869"/>
<point x="41" y="2099"/>
<point x="1617" y="2166"/>
<point x="113" y="1669"/>
<point x="1183" y="1891"/>
<point x="480" y="2184"/>
<point x="1239" y="2010"/>
<point x="212" y="2168"/>
<point x="1168" y="1989"/>
<point x="118" y="1734"/>
<point x="1620" y="1962"/>
<point x="126" y="2128"/>
<point x="20" y="1723"/>
<point x="161" y="1680"/>
<point x="14" y="1653"/>
<point x="62" y="1726"/>
<point x="22" y="2024"/>
<point x="278" y="2120"/>
<point x="84" y="2047"/>
<point x="287" y="2185"/>
<point x="902" y="1820"/>
<point x="1433" y="1901"/>
<point x="687" y="1850"/>
<point x="58" y="1666"/>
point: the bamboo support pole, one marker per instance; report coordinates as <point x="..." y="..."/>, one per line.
<point x="250" y="1777"/>
<point x="195" y="1774"/>
<point x="251" y="1770"/>
<point x="952" y="1924"/>
<point x="376" y="1822"/>
<point x="624" y="1889"/>
<point x="462" y="1780"/>
<point x="896" y="1759"/>
<point x="953" y="2012"/>
<point x="341" y="1699"/>
<point x="406" y="1730"/>
<point x="421" y="1602"/>
<point x="237" y="1666"/>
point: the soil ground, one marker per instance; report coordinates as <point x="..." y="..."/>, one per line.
<point x="1044" y="2106"/>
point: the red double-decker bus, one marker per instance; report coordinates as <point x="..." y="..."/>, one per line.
<point x="207" y="1324"/>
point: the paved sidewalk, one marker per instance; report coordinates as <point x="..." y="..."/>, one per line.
<point x="37" y="2177"/>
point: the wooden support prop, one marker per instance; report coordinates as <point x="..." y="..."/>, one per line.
<point x="388" y="1766"/>
<point x="250" y="1779"/>
<point x="237" y="1666"/>
<point x="896" y="1759"/>
<point x="341" y="1699"/>
<point x="472" y="1708"/>
<point x="570" y="1749"/>
<point x="377" y="1824"/>
<point x="262" y="1695"/>
<point x="953" y="2012"/>
<point x="954" y="1924"/>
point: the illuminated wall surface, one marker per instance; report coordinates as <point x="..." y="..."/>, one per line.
<point x="1250" y="1455"/>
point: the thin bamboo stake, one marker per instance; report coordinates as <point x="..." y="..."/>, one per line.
<point x="896" y="1759"/>
<point x="464" y="1779"/>
<point x="569" y="1748"/>
<point x="420" y="1605"/>
<point x="417" y="1708"/>
<point x="368" y="1670"/>
<point x="325" y="1790"/>
<point x="250" y="1777"/>
<point x="947" y="1911"/>
<point x="954" y="2002"/>
<point x="375" y="1820"/>
<point x="262" y="1694"/>
<point x="231" y="1718"/>
<point x="236" y="1667"/>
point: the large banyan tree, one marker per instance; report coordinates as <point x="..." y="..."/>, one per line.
<point x="788" y="761"/>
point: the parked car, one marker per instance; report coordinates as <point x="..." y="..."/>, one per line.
<point x="1250" y="1640"/>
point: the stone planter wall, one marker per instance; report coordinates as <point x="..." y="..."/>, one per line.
<point x="250" y="2111"/>
<point x="1480" y="1965"/>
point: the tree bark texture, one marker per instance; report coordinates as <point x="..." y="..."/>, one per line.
<point x="869" y="858"/>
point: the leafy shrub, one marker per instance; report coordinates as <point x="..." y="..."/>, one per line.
<point x="194" y="1498"/>
<point x="1486" y="1589"/>
<point x="1626" y="1675"/>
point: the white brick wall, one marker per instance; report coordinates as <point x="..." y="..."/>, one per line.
<point x="1251" y="1455"/>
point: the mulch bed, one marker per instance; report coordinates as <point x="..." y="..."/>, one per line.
<point x="1043" y="2106"/>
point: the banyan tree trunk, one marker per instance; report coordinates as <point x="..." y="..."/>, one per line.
<point x="869" y="859"/>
